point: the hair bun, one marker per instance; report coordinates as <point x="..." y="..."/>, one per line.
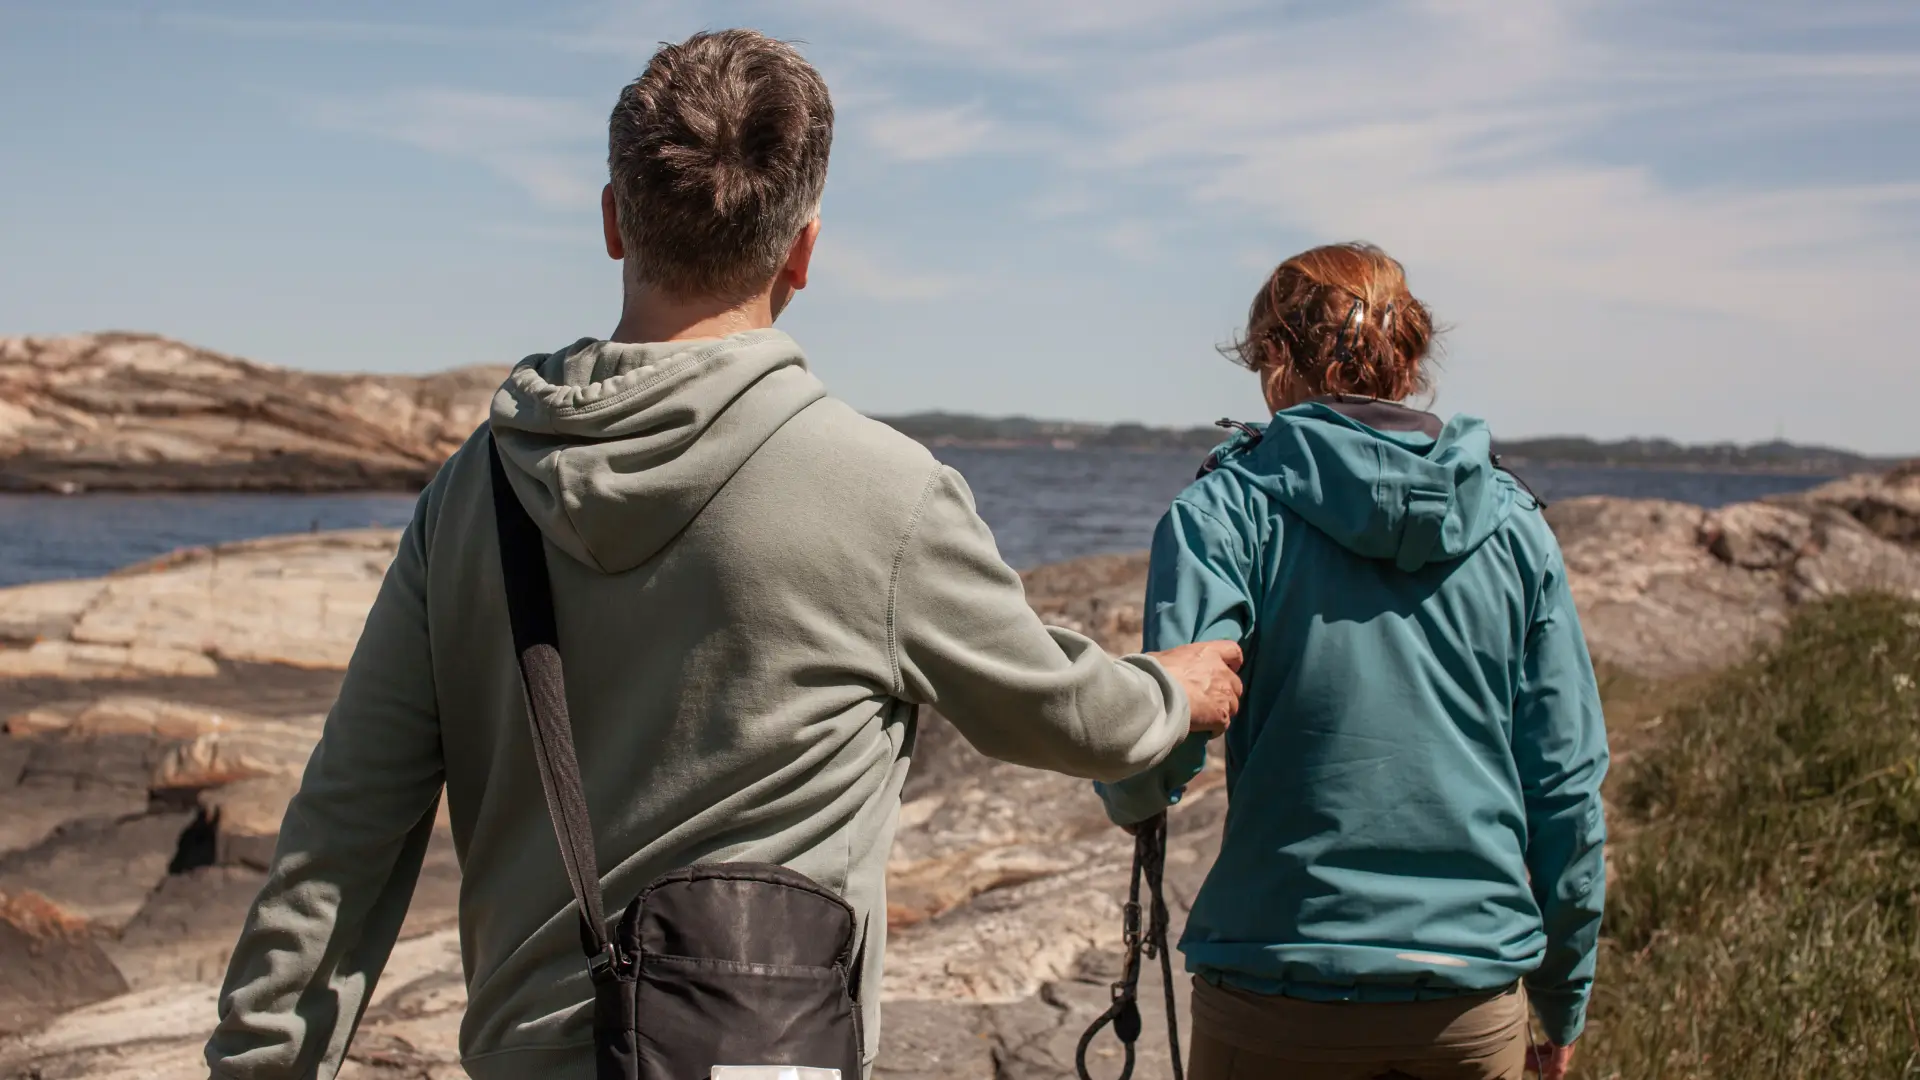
<point x="1342" y="318"/>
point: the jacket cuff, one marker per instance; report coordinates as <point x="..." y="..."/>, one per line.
<point x="1563" y="1014"/>
<point x="1133" y="800"/>
<point x="1138" y="798"/>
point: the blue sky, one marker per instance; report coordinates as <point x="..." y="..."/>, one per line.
<point x="1695" y="219"/>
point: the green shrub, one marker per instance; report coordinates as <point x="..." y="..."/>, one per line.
<point x="1764" y="915"/>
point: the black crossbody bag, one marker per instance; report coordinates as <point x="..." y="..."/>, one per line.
<point x="728" y="965"/>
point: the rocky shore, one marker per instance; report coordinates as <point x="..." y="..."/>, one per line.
<point x="137" y="412"/>
<point x="119" y="411"/>
<point x="156" y="720"/>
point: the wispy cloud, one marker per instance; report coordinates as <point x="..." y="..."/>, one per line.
<point x="631" y="29"/>
<point x="907" y="133"/>
<point x="1017" y="33"/>
<point x="621" y="28"/>
<point x="847" y="264"/>
<point x="1062" y="202"/>
<point x="1474" y="153"/>
<point x="1673" y="196"/>
<point x="345" y="31"/>
<point x="545" y="146"/>
<point x="581" y="236"/>
<point x="1460" y="132"/>
<point x="1475" y="156"/>
<point x="1135" y="240"/>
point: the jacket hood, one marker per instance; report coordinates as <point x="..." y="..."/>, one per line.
<point x="613" y="448"/>
<point x="1400" y="487"/>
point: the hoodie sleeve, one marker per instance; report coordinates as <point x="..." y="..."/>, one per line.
<point x="1560" y="746"/>
<point x="349" y="853"/>
<point x="965" y="642"/>
<point x="1197" y="590"/>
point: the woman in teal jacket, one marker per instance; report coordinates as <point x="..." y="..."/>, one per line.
<point x="1414" y="826"/>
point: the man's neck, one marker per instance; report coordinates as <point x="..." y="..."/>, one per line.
<point x="650" y="315"/>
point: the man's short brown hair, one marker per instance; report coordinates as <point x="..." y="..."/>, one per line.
<point x="718" y="154"/>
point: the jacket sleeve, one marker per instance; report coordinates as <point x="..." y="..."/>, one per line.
<point x="965" y="642"/>
<point x="1197" y="590"/>
<point x="1560" y="746"/>
<point x="349" y="852"/>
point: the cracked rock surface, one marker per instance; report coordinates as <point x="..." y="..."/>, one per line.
<point x="138" y="412"/>
<point x="153" y="735"/>
<point x="1670" y="589"/>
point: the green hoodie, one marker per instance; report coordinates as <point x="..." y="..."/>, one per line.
<point x="1414" y="777"/>
<point x="755" y="588"/>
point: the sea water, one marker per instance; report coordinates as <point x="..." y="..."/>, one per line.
<point x="1043" y="505"/>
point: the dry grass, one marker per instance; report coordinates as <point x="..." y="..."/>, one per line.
<point x="1764" y="917"/>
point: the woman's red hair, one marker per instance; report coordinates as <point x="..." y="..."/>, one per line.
<point x="1341" y="319"/>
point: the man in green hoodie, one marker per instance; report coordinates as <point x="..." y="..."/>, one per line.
<point x="755" y="588"/>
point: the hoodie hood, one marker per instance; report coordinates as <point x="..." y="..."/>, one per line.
<point x="1411" y="497"/>
<point x="613" y="448"/>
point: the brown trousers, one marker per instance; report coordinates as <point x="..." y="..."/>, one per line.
<point x="1238" y="1035"/>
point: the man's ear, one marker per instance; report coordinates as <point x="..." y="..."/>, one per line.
<point x="610" y="224"/>
<point x="800" y="257"/>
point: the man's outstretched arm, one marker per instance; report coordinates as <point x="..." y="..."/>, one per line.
<point x="966" y="642"/>
<point x="349" y="853"/>
<point x="1197" y="591"/>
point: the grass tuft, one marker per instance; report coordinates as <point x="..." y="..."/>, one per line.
<point x="1764" y="917"/>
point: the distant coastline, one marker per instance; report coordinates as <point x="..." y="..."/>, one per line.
<point x="131" y="412"/>
<point x="1776" y="457"/>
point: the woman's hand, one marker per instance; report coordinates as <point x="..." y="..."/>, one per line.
<point x="1550" y="1061"/>
<point x="1208" y="671"/>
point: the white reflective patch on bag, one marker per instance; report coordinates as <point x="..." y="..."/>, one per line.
<point x="771" y="1072"/>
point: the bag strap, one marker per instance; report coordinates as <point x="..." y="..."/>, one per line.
<point x="536" y="643"/>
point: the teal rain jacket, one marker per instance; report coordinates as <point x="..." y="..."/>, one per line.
<point x="1414" y="778"/>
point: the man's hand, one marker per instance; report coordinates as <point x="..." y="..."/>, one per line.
<point x="1550" y="1061"/>
<point x="1207" y="670"/>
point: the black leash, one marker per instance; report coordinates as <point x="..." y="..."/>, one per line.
<point x="1150" y="863"/>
